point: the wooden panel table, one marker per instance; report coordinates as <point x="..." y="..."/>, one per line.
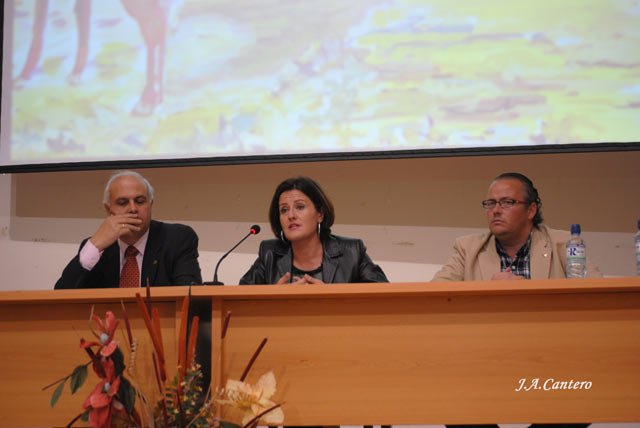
<point x="423" y="353"/>
<point x="442" y="352"/>
<point x="40" y="335"/>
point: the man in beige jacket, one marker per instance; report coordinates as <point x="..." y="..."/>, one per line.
<point x="517" y="246"/>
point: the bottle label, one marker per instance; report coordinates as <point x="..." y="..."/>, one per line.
<point x="576" y="252"/>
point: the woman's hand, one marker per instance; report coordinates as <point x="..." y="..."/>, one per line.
<point x="311" y="280"/>
<point x="285" y="278"/>
<point x="307" y="279"/>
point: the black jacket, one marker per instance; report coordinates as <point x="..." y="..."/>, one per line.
<point x="344" y="260"/>
<point x="170" y="258"/>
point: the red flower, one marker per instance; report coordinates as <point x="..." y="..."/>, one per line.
<point x="107" y="330"/>
<point x="102" y="403"/>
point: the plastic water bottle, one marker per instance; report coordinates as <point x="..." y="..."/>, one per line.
<point x="637" y="239"/>
<point x="576" y="254"/>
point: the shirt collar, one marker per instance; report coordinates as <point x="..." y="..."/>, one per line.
<point x="140" y="245"/>
<point x="523" y="251"/>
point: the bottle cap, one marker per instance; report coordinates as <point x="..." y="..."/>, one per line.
<point x="575" y="229"/>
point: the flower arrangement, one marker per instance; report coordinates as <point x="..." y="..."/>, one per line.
<point x="119" y="400"/>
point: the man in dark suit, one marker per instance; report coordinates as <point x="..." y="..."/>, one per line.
<point x="129" y="248"/>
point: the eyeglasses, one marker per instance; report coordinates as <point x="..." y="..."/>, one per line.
<point x="505" y="203"/>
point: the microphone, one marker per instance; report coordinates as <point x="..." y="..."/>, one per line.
<point x="253" y="230"/>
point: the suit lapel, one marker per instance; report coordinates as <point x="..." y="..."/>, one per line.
<point x="150" y="259"/>
<point x="331" y="253"/>
<point x="540" y="255"/>
<point x="329" y="267"/>
<point x="284" y="263"/>
<point x="488" y="259"/>
<point x="111" y="258"/>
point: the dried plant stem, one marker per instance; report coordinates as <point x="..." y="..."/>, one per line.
<point x="147" y="411"/>
<point x="61" y="379"/>
<point x="202" y="412"/>
<point x="193" y="336"/>
<point x="133" y="352"/>
<point x="182" y="342"/>
<point x="257" y="418"/>
<point x="225" y="324"/>
<point x="253" y="359"/>
<point x="148" y="299"/>
<point x="179" y="401"/>
<point x="164" y="412"/>
<point x="155" y="366"/>
<point x="155" y="339"/>
<point x="93" y="307"/>
<point x="113" y="332"/>
<point x="162" y="392"/>
<point x="136" y="417"/>
<point x="158" y="333"/>
<point x="182" y="355"/>
<point x="98" y="367"/>
<point x="142" y="402"/>
<point x="74" y="419"/>
<point x="127" y="323"/>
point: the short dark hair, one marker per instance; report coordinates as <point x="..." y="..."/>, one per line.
<point x="314" y="192"/>
<point x="530" y="193"/>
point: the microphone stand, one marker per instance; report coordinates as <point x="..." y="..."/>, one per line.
<point x="254" y="231"/>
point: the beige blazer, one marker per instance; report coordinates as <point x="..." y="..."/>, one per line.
<point x="475" y="257"/>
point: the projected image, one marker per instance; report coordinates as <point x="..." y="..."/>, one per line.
<point x="130" y="79"/>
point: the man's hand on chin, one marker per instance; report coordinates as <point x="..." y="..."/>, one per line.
<point x="113" y="228"/>
<point x="506" y="275"/>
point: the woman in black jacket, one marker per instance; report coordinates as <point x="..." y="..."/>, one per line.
<point x="305" y="251"/>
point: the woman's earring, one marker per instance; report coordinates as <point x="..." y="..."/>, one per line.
<point x="319" y="228"/>
<point x="282" y="236"/>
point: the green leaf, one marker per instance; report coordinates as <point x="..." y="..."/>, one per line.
<point x="56" y="394"/>
<point x="118" y="361"/>
<point x="127" y="394"/>
<point x="85" y="416"/>
<point x="78" y="377"/>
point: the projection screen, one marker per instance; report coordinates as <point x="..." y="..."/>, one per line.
<point x="107" y="81"/>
